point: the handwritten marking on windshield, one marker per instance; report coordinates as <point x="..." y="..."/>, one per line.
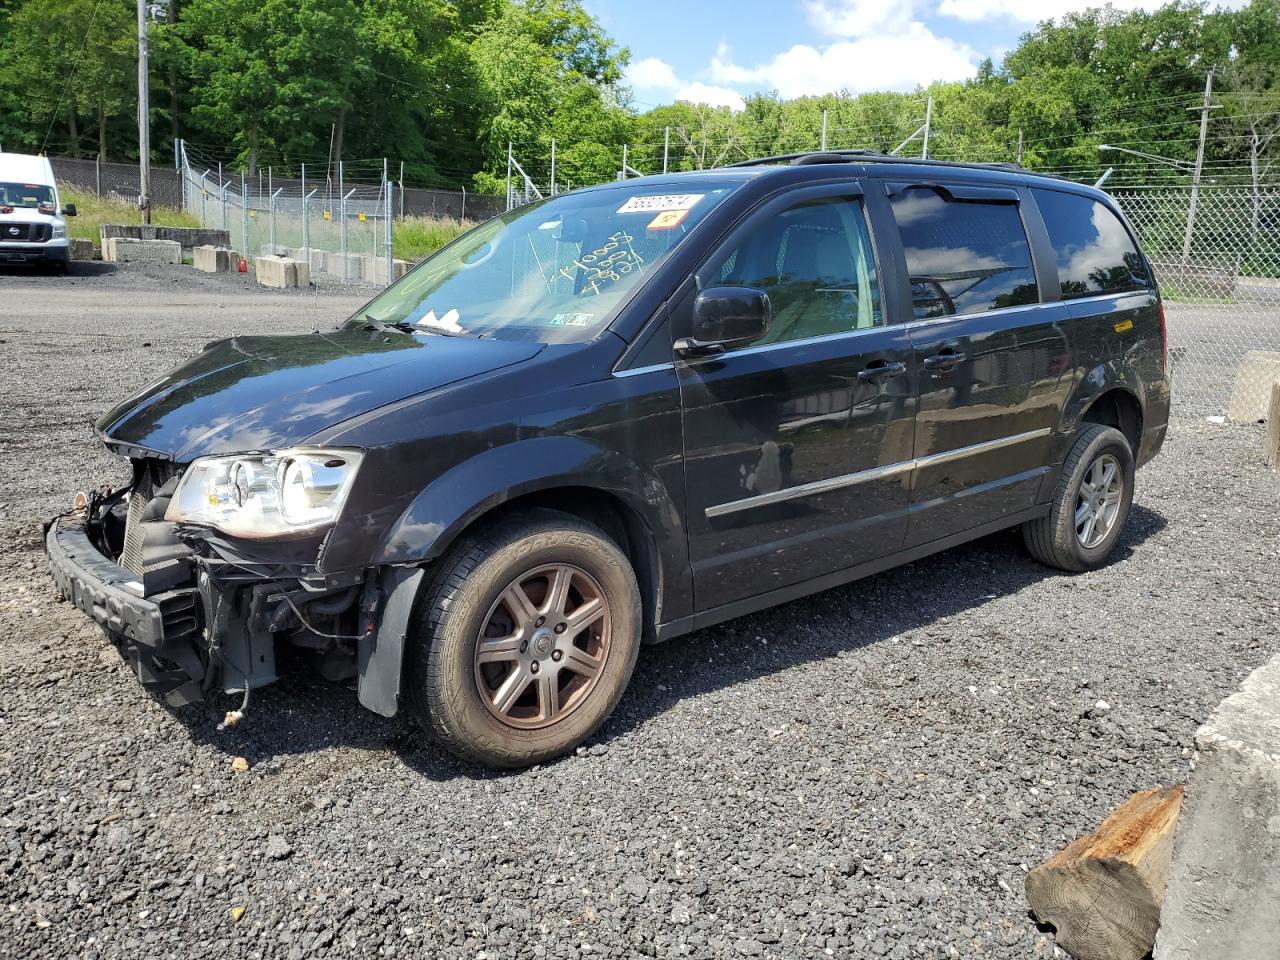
<point x="605" y="264"/>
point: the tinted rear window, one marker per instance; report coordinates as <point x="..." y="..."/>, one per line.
<point x="963" y="256"/>
<point x="1095" y="252"/>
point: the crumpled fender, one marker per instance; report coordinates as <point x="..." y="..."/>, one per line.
<point x="455" y="499"/>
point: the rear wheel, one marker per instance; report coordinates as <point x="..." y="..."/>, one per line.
<point x="525" y="641"/>
<point x="1090" y="505"/>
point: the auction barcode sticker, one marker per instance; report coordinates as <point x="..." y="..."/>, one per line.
<point x="661" y="202"/>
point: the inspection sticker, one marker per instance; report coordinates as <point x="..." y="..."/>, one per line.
<point x="667" y="220"/>
<point x="660" y="202"/>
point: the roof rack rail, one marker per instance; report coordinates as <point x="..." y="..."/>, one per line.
<point x="874" y="156"/>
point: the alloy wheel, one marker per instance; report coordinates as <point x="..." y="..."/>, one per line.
<point x="1098" y="502"/>
<point x="542" y="646"/>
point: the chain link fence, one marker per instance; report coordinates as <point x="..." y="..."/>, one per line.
<point x="342" y="229"/>
<point x="1218" y="266"/>
<point x="118" y="181"/>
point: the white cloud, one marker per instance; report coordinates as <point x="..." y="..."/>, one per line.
<point x="698" y="92"/>
<point x="652" y="74"/>
<point x="860" y="18"/>
<point x="899" y="61"/>
<point x="1024" y="12"/>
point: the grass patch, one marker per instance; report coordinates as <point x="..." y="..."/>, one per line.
<point x="92" y="212"/>
<point x="416" y="237"/>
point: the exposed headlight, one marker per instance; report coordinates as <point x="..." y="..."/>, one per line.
<point x="282" y="494"/>
<point x="59" y="231"/>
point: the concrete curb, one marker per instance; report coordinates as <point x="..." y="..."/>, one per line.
<point x="1223" y="893"/>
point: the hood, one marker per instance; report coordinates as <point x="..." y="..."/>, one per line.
<point x="262" y="393"/>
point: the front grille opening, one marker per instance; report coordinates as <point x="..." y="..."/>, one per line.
<point x="149" y="475"/>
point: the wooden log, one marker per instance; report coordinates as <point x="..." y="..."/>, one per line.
<point x="1271" y="442"/>
<point x="1102" y="893"/>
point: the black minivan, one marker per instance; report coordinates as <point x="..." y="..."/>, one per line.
<point x="622" y="414"/>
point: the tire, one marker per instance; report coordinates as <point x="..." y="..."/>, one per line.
<point x="1057" y="540"/>
<point x="467" y="705"/>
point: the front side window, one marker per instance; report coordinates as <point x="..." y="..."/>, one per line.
<point x="1094" y="250"/>
<point x="962" y="256"/>
<point x="815" y="261"/>
<point x="552" y="272"/>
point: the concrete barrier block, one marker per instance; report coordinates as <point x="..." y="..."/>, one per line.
<point x="281" y="272"/>
<point x="1251" y="391"/>
<point x="378" y="269"/>
<point x="1223" y="892"/>
<point x="81" y="249"/>
<point x="211" y="259"/>
<point x="128" y="250"/>
<point x="320" y="261"/>
<point x="357" y="265"/>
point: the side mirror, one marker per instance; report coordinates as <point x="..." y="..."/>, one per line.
<point x="69" y="210"/>
<point x="725" y="317"/>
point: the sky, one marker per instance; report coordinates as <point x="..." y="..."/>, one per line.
<point x="715" y="51"/>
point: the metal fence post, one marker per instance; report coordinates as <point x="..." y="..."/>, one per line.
<point x="244" y="218"/>
<point x="97" y="176"/>
<point x="273" y="219"/>
<point x="342" y="235"/>
<point x="204" y="195"/>
<point x="386" y="210"/>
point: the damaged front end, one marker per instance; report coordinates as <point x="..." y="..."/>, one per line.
<point x="194" y="608"/>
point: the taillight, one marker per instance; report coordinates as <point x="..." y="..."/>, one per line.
<point x="1164" y="342"/>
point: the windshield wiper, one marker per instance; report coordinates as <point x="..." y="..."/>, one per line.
<point x="373" y="323"/>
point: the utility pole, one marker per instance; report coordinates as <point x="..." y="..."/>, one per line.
<point x="553" y="166"/>
<point x="928" y="122"/>
<point x="1019" y="146"/>
<point x="144" y="118"/>
<point x="1195" y="176"/>
<point x="509" y="198"/>
<point x="666" y="147"/>
<point x="823" y="147"/>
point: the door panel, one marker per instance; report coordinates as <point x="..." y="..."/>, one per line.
<point x="783" y="455"/>
<point x="986" y="417"/>
<point x="994" y="360"/>
<point x="798" y="448"/>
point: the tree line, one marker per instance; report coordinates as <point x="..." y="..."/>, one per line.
<point x="444" y="85"/>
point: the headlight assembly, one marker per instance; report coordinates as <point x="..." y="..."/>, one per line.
<point x="282" y="494"/>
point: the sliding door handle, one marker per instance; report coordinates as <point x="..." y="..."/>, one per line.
<point x="880" y="370"/>
<point x="944" y="361"/>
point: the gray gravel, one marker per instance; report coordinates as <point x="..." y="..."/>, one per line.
<point x="866" y="773"/>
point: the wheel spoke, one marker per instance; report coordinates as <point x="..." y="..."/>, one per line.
<point x="587" y="613"/>
<point x="557" y="591"/>
<point x="506" y="695"/>
<point x="1087" y="535"/>
<point x="1108" y="475"/>
<point x="581" y="662"/>
<point x="1083" y="513"/>
<point x="499" y="649"/>
<point x="548" y="697"/>
<point x="521" y="607"/>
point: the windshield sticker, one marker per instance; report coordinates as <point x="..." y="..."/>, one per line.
<point x="656" y="204"/>
<point x="448" y="322"/>
<point x="572" y="319"/>
<point x="611" y="261"/>
<point x="667" y="220"/>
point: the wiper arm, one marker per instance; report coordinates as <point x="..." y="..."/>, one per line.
<point x="373" y="323"/>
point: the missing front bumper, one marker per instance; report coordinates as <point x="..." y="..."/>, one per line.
<point x="159" y="635"/>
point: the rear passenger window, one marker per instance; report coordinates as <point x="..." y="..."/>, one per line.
<point x="1095" y="252"/>
<point x="963" y="256"/>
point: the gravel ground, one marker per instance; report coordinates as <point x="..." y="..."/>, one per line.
<point x="866" y="773"/>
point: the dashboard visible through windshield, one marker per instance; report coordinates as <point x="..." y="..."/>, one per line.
<point x="555" y="271"/>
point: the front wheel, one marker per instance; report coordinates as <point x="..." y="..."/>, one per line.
<point x="1090" y="505"/>
<point x="525" y="641"/>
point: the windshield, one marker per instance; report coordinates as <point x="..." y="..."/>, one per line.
<point x="552" y="272"/>
<point x="26" y="195"/>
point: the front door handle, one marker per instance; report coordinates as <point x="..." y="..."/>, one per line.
<point x="880" y="370"/>
<point x="943" y="362"/>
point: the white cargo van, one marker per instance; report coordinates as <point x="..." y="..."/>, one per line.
<point x="32" y="228"/>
